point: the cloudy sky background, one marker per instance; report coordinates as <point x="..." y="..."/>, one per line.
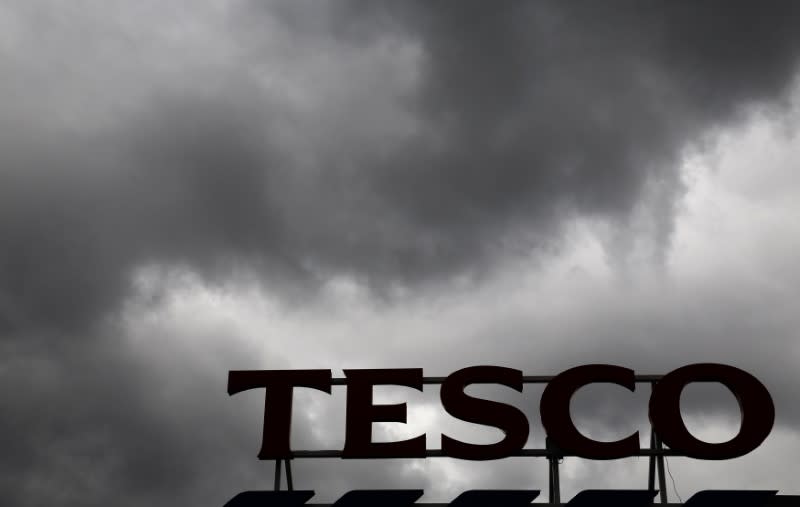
<point x="196" y="187"/>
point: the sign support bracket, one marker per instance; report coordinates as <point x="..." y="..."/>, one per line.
<point x="656" y="461"/>
<point x="289" y="483"/>
<point x="554" y="486"/>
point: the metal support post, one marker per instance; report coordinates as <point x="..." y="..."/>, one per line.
<point x="277" y="475"/>
<point x="651" y="475"/>
<point x="662" y="488"/>
<point x="289" y="484"/>
<point x="554" y="481"/>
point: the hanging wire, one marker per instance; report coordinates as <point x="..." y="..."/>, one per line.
<point x="673" y="480"/>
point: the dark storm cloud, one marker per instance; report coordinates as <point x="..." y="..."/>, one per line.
<point x="523" y="114"/>
<point x="427" y="140"/>
<point x="531" y="105"/>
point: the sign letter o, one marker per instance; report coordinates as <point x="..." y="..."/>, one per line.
<point x="755" y="403"/>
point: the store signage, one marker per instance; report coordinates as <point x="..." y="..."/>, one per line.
<point x="755" y="402"/>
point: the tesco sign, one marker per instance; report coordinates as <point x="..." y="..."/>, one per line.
<point x="755" y="402"/>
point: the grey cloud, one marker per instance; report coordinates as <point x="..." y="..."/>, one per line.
<point x="401" y="144"/>
<point x="102" y="423"/>
<point x="90" y="426"/>
<point x="521" y="116"/>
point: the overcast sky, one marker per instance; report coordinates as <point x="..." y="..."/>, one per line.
<point x="188" y="188"/>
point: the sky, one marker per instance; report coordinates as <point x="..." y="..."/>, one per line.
<point x="193" y="187"/>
